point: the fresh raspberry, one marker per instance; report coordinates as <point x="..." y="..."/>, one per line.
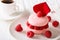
<point x="37" y="28"/>
<point x="46" y="26"/>
<point x="48" y="34"/>
<point x="30" y="34"/>
<point x="19" y="28"/>
<point x="32" y="27"/>
<point x="28" y="24"/>
<point x="49" y="18"/>
<point x="55" y="23"/>
<point x="41" y="28"/>
<point x="39" y="14"/>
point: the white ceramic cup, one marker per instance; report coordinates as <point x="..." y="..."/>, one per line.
<point x="7" y="9"/>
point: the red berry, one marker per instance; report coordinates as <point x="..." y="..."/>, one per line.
<point x="48" y="34"/>
<point x="41" y="28"/>
<point x="49" y="18"/>
<point x="39" y="14"/>
<point x="37" y="28"/>
<point x="55" y="23"/>
<point x="46" y="26"/>
<point x="30" y="34"/>
<point x="28" y="24"/>
<point x="32" y="27"/>
<point x="19" y="28"/>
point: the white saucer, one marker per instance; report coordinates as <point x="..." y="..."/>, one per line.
<point x="22" y="35"/>
<point x="11" y="17"/>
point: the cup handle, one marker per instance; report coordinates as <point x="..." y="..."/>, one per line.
<point x="17" y="10"/>
<point x="16" y="7"/>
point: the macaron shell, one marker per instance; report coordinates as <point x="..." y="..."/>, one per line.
<point x="38" y="21"/>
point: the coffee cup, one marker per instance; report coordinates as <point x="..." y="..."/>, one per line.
<point x="7" y="9"/>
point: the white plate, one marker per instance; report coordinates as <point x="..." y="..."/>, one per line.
<point x="22" y="35"/>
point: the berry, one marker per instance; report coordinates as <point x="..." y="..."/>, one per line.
<point x="28" y="24"/>
<point x="30" y="34"/>
<point x="41" y="28"/>
<point x="55" y="23"/>
<point x="39" y="14"/>
<point x="32" y="27"/>
<point x="49" y="18"/>
<point x="48" y="34"/>
<point x="37" y="28"/>
<point x="18" y="28"/>
<point x="46" y="26"/>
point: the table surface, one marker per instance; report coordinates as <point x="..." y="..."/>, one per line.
<point x="4" y="26"/>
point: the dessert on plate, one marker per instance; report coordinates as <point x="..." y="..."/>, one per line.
<point x="38" y="22"/>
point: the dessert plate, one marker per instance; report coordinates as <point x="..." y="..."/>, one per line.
<point x="22" y="35"/>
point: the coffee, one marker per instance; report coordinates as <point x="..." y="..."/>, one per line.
<point x="7" y="1"/>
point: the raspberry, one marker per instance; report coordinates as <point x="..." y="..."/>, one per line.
<point x="48" y="34"/>
<point x="37" y="28"/>
<point x="49" y="18"/>
<point x="28" y="24"/>
<point x="55" y="23"/>
<point x="41" y="28"/>
<point x="46" y="26"/>
<point x="39" y="14"/>
<point x="30" y="34"/>
<point x="18" y="28"/>
<point x="32" y="27"/>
